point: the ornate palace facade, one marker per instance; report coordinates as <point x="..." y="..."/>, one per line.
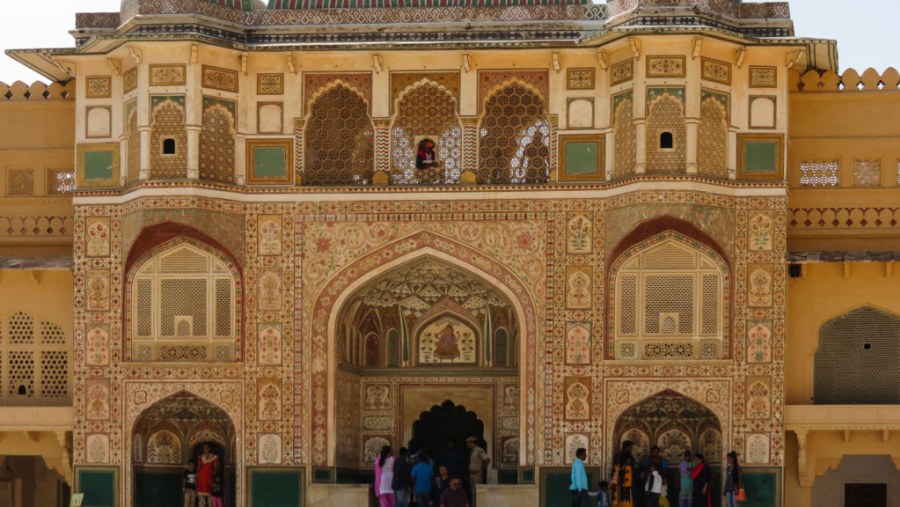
<point x="302" y="231"/>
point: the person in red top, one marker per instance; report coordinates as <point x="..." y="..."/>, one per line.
<point x="209" y="468"/>
<point x="702" y="477"/>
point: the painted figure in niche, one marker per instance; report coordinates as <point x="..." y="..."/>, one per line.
<point x="372" y="351"/>
<point x="447" y="346"/>
<point x="209" y="468"/>
<point x="425" y="158"/>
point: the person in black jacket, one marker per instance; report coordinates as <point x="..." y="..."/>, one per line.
<point x="402" y="480"/>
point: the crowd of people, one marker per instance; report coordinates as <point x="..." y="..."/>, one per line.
<point x="448" y="479"/>
<point x="645" y="483"/>
<point x="201" y="483"/>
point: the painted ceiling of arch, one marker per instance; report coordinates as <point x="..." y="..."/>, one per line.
<point x="184" y="408"/>
<point x="416" y="288"/>
<point x="666" y="407"/>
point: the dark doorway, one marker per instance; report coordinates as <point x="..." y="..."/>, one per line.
<point x="865" y="495"/>
<point x="226" y="468"/>
<point x="442" y="423"/>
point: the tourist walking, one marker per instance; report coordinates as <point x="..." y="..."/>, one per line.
<point x="734" y="480"/>
<point x="384" y="477"/>
<point x="702" y="496"/>
<point x="622" y="483"/>
<point x="422" y="475"/>
<point x="402" y="480"/>
<point x="579" y="487"/>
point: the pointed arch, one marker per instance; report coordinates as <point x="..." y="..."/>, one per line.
<point x="712" y="149"/>
<point x="168" y="123"/>
<point x="339" y="143"/>
<point x="217" y="141"/>
<point x="334" y="295"/>
<point x="514" y="142"/>
<point x="665" y="120"/>
<point x="625" y="134"/>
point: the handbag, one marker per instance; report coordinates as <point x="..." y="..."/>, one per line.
<point x="741" y="495"/>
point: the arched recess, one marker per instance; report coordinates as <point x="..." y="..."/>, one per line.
<point x="183" y="298"/>
<point x="168" y="124"/>
<point x="444" y="422"/>
<point x="712" y="146"/>
<point x="691" y="318"/>
<point x="339" y="142"/>
<point x="335" y="295"/>
<point x="858" y="359"/>
<point x="666" y="135"/>
<point x="514" y="139"/>
<point x="426" y="110"/>
<point x="217" y="141"/>
<point x="173" y="425"/>
<point x="625" y="135"/>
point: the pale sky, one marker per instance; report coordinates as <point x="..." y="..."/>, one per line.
<point x="864" y="29"/>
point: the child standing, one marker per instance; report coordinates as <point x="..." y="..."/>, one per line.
<point x="217" y="491"/>
<point x="602" y="494"/>
<point x="189" y="484"/>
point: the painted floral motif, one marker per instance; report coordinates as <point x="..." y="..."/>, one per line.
<point x="509" y="452"/>
<point x="269" y="238"/>
<point x="578" y="343"/>
<point x="97" y="353"/>
<point x="97" y="400"/>
<point x="269" y="293"/>
<point x="164" y="447"/>
<point x="378" y="397"/>
<point x="761" y="233"/>
<point x="759" y="344"/>
<point x="578" y="401"/>
<point x="98" y="289"/>
<point x="270" y="402"/>
<point x="97" y="237"/>
<point x="711" y="443"/>
<point x="269" y="343"/>
<point x="97" y="448"/>
<point x="269" y="449"/>
<point x="578" y="288"/>
<point x="757" y="449"/>
<point x="758" y="404"/>
<point x="579" y="231"/>
<point x="760" y="288"/>
<point x="672" y="444"/>
<point x="372" y="448"/>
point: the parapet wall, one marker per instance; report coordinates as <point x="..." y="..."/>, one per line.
<point x="850" y="81"/>
<point x="37" y="92"/>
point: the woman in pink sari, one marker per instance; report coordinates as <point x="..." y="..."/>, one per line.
<point x="384" y="477"/>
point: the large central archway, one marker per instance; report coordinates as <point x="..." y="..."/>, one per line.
<point x="406" y="334"/>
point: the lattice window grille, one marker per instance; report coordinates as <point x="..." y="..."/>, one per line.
<point x="51" y="334"/>
<point x="54" y="374"/>
<point x="34" y="360"/>
<point x="867" y="173"/>
<point x="21" y="329"/>
<point x="820" y="174"/>
<point x="669" y="292"/>
<point x="514" y="140"/>
<point x="858" y="359"/>
<point x="340" y="140"/>
<point x="183" y="299"/>
<point x="625" y="138"/>
<point x="898" y="172"/>
<point x="431" y="112"/>
<point x="60" y="182"/>
<point x="21" y="374"/>
<point x="713" y="139"/>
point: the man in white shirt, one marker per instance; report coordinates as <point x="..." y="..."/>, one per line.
<point x="653" y="487"/>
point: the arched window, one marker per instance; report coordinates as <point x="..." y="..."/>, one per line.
<point x="168" y="123"/>
<point x="666" y="125"/>
<point x="426" y="113"/>
<point x="217" y="144"/>
<point x="35" y="361"/>
<point x="669" y="300"/>
<point x="183" y="305"/>
<point x="340" y="140"/>
<point x="858" y="359"/>
<point x="514" y="145"/>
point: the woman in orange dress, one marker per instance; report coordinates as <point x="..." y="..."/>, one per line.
<point x="208" y="468"/>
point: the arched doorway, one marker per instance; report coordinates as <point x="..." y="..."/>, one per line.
<point x="674" y="423"/>
<point x="417" y="334"/>
<point x="444" y="423"/>
<point x="170" y="433"/>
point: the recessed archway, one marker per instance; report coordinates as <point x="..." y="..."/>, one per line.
<point x="166" y="436"/>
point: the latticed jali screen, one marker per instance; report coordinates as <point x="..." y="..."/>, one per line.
<point x="858" y="359"/>
<point x="217" y="145"/>
<point x="713" y="139"/>
<point x="625" y="133"/>
<point x="426" y="112"/>
<point x="666" y="116"/>
<point x="35" y="362"/>
<point x="669" y="304"/>
<point x="183" y="307"/>
<point x="168" y="124"/>
<point x="514" y="145"/>
<point x="340" y="140"/>
<point x="820" y="173"/>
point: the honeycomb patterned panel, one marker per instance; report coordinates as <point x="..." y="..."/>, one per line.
<point x="20" y="329"/>
<point x="858" y="359"/>
<point x="340" y="140"/>
<point x="184" y="261"/>
<point x="51" y="334"/>
<point x="426" y="111"/>
<point x="625" y="134"/>
<point x="820" y="173"/>
<point x="668" y="256"/>
<point x="712" y="149"/>
<point x="669" y="294"/>
<point x="54" y="374"/>
<point x="217" y="145"/>
<point x="514" y="139"/>
<point x="710" y="304"/>
<point x="223" y="307"/>
<point x="867" y="173"/>
<point x="168" y="123"/>
<point x="21" y="374"/>
<point x="666" y="115"/>
<point x="60" y="182"/>
<point x="134" y="149"/>
<point x="144" y="308"/>
<point x="628" y="305"/>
